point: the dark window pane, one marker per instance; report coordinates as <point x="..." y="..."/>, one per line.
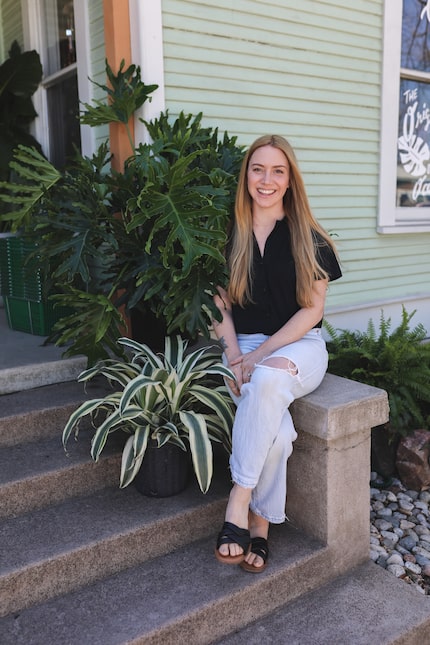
<point x="63" y="122"/>
<point x="416" y="35"/>
<point x="413" y="145"/>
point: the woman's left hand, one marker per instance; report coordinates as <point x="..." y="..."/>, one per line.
<point x="247" y="363"/>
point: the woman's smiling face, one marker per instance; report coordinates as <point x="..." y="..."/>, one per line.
<point x="268" y="177"/>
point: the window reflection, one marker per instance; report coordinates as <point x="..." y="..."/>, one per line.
<point x="65" y="135"/>
<point x="60" y="34"/>
<point x="416" y="35"/>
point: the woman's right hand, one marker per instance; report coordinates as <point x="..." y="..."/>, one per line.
<point x="237" y="384"/>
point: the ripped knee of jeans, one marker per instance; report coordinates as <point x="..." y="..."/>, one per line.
<point x="281" y="363"/>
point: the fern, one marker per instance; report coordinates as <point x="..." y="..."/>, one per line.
<point x="397" y="361"/>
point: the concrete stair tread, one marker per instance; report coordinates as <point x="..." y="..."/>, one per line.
<point x="103" y="515"/>
<point x="34" y="475"/>
<point x="61" y="547"/>
<point x="33" y="414"/>
<point x="182" y="596"/>
<point x="366" y="605"/>
<point x="21" y="462"/>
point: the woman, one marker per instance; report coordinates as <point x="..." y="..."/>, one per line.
<point x="280" y="262"/>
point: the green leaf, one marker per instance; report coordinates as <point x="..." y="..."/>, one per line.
<point x="201" y="448"/>
<point x="133" y="454"/>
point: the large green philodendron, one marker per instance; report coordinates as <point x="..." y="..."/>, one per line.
<point x="172" y="397"/>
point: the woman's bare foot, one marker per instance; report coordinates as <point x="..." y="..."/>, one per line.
<point x="258" y="527"/>
<point x="236" y="513"/>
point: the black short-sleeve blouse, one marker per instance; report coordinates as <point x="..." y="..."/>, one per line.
<point x="274" y="283"/>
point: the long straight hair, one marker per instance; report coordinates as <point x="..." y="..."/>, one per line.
<point x="302" y="224"/>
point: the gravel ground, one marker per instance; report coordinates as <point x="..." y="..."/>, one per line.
<point x="400" y="531"/>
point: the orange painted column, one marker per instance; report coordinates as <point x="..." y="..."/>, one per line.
<point x="118" y="48"/>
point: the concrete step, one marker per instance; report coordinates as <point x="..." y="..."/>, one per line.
<point x="366" y="605"/>
<point x="42" y="412"/>
<point x="183" y="596"/>
<point x="65" y="546"/>
<point x="37" y="474"/>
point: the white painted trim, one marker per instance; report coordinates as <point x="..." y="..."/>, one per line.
<point x="390" y="218"/>
<point x="146" y="32"/>
<point x="35" y="38"/>
<point x="85" y="87"/>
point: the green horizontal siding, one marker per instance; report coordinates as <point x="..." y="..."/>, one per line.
<point x="312" y="72"/>
<point x="11" y="26"/>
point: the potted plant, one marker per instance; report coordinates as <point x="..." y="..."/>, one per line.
<point x="397" y="361"/>
<point x="148" y="239"/>
<point x="171" y="399"/>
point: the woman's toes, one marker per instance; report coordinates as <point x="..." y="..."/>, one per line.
<point x="230" y="549"/>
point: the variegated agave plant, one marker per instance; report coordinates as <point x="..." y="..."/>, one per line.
<point x="168" y="397"/>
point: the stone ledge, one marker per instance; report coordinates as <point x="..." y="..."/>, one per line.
<point x="329" y="470"/>
<point x="340" y="407"/>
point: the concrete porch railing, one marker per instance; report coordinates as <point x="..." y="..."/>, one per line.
<point x="329" y="470"/>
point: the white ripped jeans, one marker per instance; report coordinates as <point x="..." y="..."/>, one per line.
<point x="263" y="430"/>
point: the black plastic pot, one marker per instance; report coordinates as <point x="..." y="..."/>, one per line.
<point x="164" y="472"/>
<point x="147" y="328"/>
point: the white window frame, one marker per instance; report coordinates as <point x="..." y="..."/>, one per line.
<point x="33" y="14"/>
<point x="392" y="219"/>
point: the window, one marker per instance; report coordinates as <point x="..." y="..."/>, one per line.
<point x="61" y="82"/>
<point x="57" y="30"/>
<point x="405" y="145"/>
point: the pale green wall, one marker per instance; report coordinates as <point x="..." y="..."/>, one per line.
<point x="312" y="72"/>
<point x="11" y="26"/>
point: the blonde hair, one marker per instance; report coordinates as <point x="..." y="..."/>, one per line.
<point x="301" y="222"/>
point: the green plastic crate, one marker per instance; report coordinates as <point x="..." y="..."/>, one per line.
<point x="19" y="277"/>
<point x="32" y="317"/>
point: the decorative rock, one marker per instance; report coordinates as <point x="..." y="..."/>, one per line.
<point x="406" y="507"/>
<point x="397" y="569"/>
<point x="422" y="561"/>
<point x="423" y="531"/>
<point x="418" y="550"/>
<point x="391" y="536"/>
<point x="422" y="505"/>
<point x="412" y="461"/>
<point x="413" y="494"/>
<point x="425" y="538"/>
<point x="413" y="567"/>
<point x="383" y="525"/>
<point x="399" y="537"/>
<point x="413" y="535"/>
<point x="395" y="558"/>
<point x="408" y="542"/>
<point x="382" y="560"/>
<point x="385" y="512"/>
